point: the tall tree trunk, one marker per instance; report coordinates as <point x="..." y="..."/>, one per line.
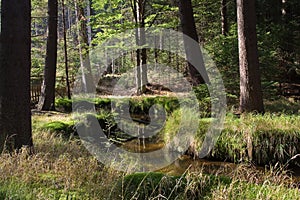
<point x="138" y="7"/>
<point x="224" y="21"/>
<point x="193" y="51"/>
<point x="85" y="66"/>
<point x="66" y="49"/>
<point x="47" y="99"/>
<point x="144" y="72"/>
<point x="15" y="113"/>
<point x="250" y="84"/>
<point x="89" y="28"/>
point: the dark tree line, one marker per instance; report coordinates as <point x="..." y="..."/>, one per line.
<point x="15" y="113"/>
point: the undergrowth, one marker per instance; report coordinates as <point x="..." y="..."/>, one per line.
<point x="63" y="169"/>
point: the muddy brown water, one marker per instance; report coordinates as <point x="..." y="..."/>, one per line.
<point x="185" y="162"/>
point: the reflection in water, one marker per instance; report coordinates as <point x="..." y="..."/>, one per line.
<point x="185" y="162"/>
<point x="141" y="143"/>
<point x="179" y="166"/>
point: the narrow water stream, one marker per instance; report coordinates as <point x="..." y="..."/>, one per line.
<point x="184" y="163"/>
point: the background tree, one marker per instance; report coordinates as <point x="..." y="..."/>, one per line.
<point x="224" y="21"/>
<point x="65" y="49"/>
<point x="193" y="52"/>
<point x="139" y="12"/>
<point x="39" y="27"/>
<point x="47" y="99"/>
<point x="250" y="84"/>
<point x="83" y="43"/>
<point x="15" y="113"/>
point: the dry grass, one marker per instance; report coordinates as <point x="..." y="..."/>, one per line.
<point x="64" y="169"/>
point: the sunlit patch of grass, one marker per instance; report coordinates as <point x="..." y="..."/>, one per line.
<point x="243" y="183"/>
<point x="263" y="139"/>
<point x="59" y="168"/>
<point x="64" y="169"/>
<point x="250" y="183"/>
<point x="39" y="119"/>
<point x="148" y="186"/>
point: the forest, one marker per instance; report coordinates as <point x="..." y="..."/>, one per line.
<point x="149" y="99"/>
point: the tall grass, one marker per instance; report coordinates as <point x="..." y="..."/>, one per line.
<point x="64" y="169"/>
<point x="263" y="139"/>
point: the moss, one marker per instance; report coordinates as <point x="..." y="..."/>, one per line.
<point x="63" y="104"/>
<point x="102" y="103"/>
<point x="66" y="129"/>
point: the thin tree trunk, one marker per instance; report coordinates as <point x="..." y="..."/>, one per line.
<point x="143" y="58"/>
<point x="138" y="8"/>
<point x="138" y="64"/>
<point x="66" y="50"/>
<point x="85" y="67"/>
<point x="193" y="51"/>
<point x="47" y="99"/>
<point x="89" y="28"/>
<point x="224" y="21"/>
<point x="69" y="16"/>
<point x="15" y="44"/>
<point x="250" y="83"/>
<point x="156" y="52"/>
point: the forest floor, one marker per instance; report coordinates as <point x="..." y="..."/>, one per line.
<point x="62" y="168"/>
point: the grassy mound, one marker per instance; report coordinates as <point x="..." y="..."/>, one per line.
<point x="262" y="139"/>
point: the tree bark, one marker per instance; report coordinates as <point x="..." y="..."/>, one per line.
<point x="15" y="44"/>
<point x="250" y="84"/>
<point x="47" y="99"/>
<point x="66" y="49"/>
<point x="89" y="28"/>
<point x="88" y="85"/>
<point x="224" y="21"/>
<point x="138" y="7"/>
<point x="144" y="71"/>
<point x="193" y="51"/>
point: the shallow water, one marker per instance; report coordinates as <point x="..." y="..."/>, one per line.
<point x="185" y="162"/>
